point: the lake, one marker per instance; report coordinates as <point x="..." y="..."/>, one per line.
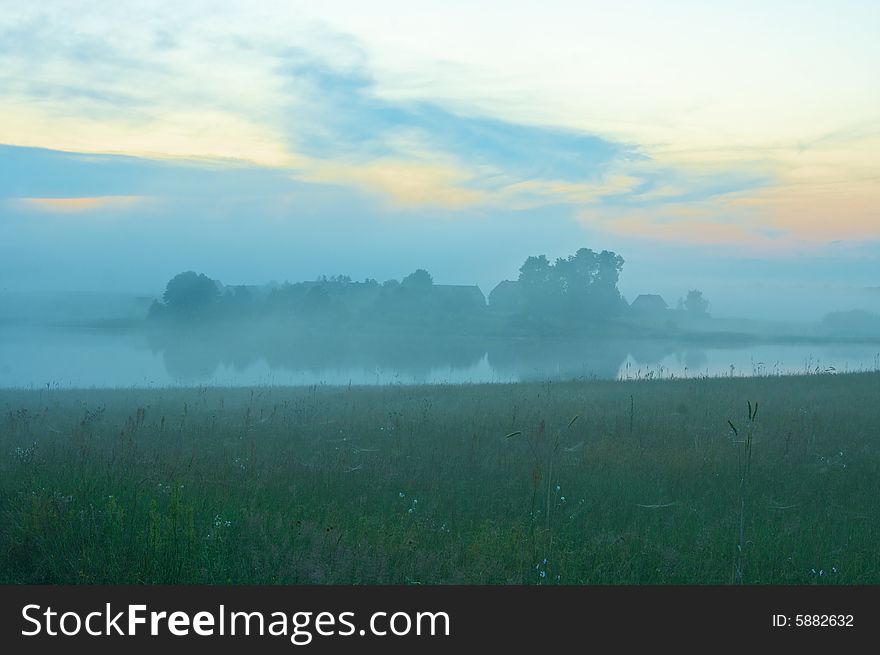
<point x="65" y="358"/>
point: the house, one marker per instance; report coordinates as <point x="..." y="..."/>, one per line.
<point x="458" y="298"/>
<point x="506" y="298"/>
<point x="648" y="303"/>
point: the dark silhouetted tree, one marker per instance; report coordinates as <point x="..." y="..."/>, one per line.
<point x="190" y="294"/>
<point x="605" y="299"/>
<point x="237" y="300"/>
<point x="317" y="299"/>
<point x="156" y="310"/>
<point x="581" y="286"/>
<point x="418" y="279"/>
<point x="540" y="289"/>
<point x="695" y="303"/>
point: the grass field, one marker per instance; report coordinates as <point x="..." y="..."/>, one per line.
<point x="556" y="483"/>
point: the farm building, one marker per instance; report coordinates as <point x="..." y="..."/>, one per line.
<point x="458" y="298"/>
<point x="648" y="303"/>
<point x="506" y="298"/>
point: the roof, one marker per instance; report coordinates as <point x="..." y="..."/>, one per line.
<point x="459" y="292"/>
<point x="649" y="302"/>
<point x="506" y="292"/>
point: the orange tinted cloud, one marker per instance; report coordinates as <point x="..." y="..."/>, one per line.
<point x="712" y="222"/>
<point x="406" y="183"/>
<point x="697" y="232"/>
<point x="76" y="205"/>
<point x="822" y="212"/>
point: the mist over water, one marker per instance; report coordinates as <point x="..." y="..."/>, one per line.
<point x="34" y="357"/>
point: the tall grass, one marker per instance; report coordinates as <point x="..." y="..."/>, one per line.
<point x="445" y="484"/>
<point x="745" y="465"/>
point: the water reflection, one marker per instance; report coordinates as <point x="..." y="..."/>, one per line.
<point x="191" y="357"/>
<point x="534" y="359"/>
<point x="105" y="358"/>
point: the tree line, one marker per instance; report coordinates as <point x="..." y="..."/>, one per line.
<point x="578" y="289"/>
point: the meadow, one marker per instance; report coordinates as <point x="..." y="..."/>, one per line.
<point x="695" y="481"/>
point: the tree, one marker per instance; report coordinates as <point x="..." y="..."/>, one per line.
<point x="539" y="285"/>
<point x="695" y="303"/>
<point x="189" y="294"/>
<point x="583" y="285"/>
<point x="535" y="271"/>
<point x="317" y="299"/>
<point x="156" y="310"/>
<point x="418" y="279"/>
<point x="574" y="279"/>
<point x="605" y="298"/>
<point x="237" y="300"/>
<point x="608" y="268"/>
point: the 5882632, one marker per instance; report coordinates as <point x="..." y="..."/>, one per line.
<point x="823" y="620"/>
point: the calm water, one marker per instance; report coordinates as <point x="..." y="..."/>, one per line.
<point x="104" y="358"/>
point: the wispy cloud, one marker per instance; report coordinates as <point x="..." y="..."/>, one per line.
<point x="160" y="89"/>
<point x="42" y="173"/>
<point x="353" y="121"/>
<point x="282" y="95"/>
<point x="77" y="205"/>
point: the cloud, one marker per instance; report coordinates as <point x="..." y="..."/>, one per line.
<point x="660" y="184"/>
<point x="702" y="219"/>
<point x="819" y="212"/>
<point x="687" y="231"/>
<point x="407" y="183"/>
<point x="77" y="205"/>
<point x="42" y="173"/>
<point x="237" y="90"/>
<point x="354" y="122"/>
<point x="270" y="98"/>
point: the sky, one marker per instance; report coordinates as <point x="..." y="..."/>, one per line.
<point x="726" y="146"/>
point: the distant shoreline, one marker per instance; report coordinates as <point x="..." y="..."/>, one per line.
<point x="611" y="331"/>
